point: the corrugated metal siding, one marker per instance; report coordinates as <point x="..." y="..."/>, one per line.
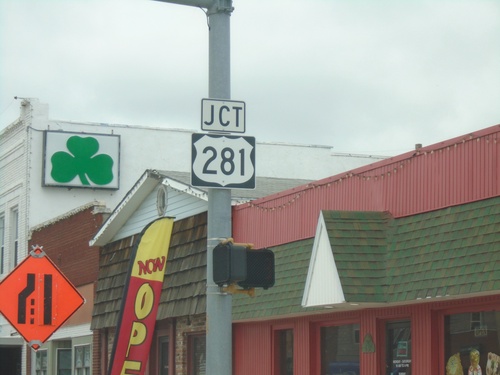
<point x="253" y="346"/>
<point x="301" y="343"/>
<point x="368" y="361"/>
<point x="458" y="171"/>
<point x="422" y="341"/>
<point x="253" y="341"/>
<point x="252" y="349"/>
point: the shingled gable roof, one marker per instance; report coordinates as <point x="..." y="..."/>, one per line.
<point x="449" y="252"/>
<point x="183" y="291"/>
<point x="284" y="298"/>
<point x="452" y="252"/>
<point x="184" y="286"/>
<point x="179" y="181"/>
<point x="348" y="253"/>
<point x="378" y="260"/>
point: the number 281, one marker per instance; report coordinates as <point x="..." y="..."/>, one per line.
<point x="227" y="161"/>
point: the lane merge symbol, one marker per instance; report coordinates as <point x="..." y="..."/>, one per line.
<point x="37" y="298"/>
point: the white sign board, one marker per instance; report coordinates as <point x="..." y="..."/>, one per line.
<point x="223" y="116"/>
<point x="81" y="160"/>
<point x="223" y="161"/>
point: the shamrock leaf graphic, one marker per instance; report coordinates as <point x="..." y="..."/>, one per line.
<point x="81" y="162"/>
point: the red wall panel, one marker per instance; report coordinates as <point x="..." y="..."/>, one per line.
<point x="457" y="171"/>
<point x="252" y="343"/>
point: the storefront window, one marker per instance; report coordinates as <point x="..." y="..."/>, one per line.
<point x="398" y="348"/>
<point x="340" y="350"/>
<point x="284" y="352"/>
<point x="197" y="349"/>
<point x="472" y="343"/>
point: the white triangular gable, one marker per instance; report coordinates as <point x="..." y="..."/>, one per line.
<point x="181" y="201"/>
<point x="323" y="287"/>
<point x="139" y="206"/>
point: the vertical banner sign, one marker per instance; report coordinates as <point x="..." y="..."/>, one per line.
<point x="141" y="297"/>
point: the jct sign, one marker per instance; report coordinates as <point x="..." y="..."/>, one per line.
<point x="37" y="298"/>
<point x="223" y="116"/>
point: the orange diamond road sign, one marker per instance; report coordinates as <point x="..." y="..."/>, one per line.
<point x="37" y="298"/>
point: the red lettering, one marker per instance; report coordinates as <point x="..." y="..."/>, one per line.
<point x="160" y="263"/>
<point x="151" y="265"/>
<point x="142" y="267"/>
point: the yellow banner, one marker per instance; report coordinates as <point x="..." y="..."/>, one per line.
<point x="152" y="252"/>
<point x="141" y="296"/>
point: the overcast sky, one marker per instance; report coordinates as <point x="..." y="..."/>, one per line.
<point x="372" y="77"/>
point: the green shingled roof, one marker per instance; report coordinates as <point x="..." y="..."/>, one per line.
<point x="291" y="263"/>
<point x="449" y="252"/>
<point x="453" y="251"/>
<point x="359" y="243"/>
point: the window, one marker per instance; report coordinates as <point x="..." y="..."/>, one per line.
<point x="82" y="360"/>
<point x="339" y="350"/>
<point x="41" y="362"/>
<point x="283" y="349"/>
<point x="196" y="350"/>
<point x="63" y="361"/>
<point x="472" y="343"/>
<point x="475" y="320"/>
<point x="355" y="332"/>
<point x="398" y="348"/>
<point x="164" y="346"/>
<point x="15" y="236"/>
<point x="2" y="244"/>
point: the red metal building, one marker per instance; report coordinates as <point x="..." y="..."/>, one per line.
<point x="388" y="269"/>
<point x="453" y="172"/>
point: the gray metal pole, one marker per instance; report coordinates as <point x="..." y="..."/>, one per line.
<point x="219" y="306"/>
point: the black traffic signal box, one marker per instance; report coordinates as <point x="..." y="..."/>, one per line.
<point x="249" y="268"/>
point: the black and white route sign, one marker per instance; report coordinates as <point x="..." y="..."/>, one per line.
<point x="223" y="115"/>
<point x="223" y="161"/>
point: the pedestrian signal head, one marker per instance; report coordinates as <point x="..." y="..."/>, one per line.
<point x="240" y="264"/>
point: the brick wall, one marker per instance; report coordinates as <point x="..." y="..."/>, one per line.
<point x="96" y="353"/>
<point x="66" y="242"/>
<point x="185" y="327"/>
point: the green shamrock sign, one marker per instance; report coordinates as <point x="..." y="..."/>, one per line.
<point x="83" y="162"/>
